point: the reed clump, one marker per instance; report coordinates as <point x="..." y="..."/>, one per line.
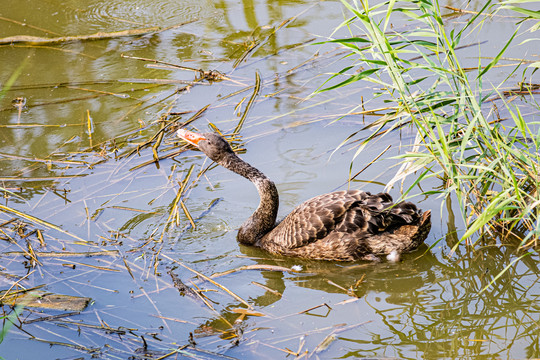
<point x="470" y="136"/>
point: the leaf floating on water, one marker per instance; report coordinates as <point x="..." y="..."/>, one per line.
<point x="325" y="343"/>
<point x="46" y="300"/>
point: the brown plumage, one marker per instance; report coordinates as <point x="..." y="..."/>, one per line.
<point x="342" y="225"/>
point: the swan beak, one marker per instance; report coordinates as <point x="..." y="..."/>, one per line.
<point x="190" y="137"/>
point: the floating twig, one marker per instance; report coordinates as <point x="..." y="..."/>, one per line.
<point x="236" y="92"/>
<point x="132" y="209"/>
<point x="186" y="212"/>
<point x="52" y="317"/>
<point x="255" y="267"/>
<point x="67" y="253"/>
<point x="94" y="266"/>
<point x="25" y="24"/>
<point x="209" y="75"/>
<point x="90" y="126"/>
<point x="159" y="138"/>
<point x="7" y="222"/>
<point x="182" y="288"/>
<point x="163" y="157"/>
<point x="32" y="253"/>
<point x="128" y="269"/>
<point x="285" y="350"/>
<point x="74" y="346"/>
<point x="209" y="280"/>
<point x="248" y="312"/>
<point x="259" y="43"/>
<point x="336" y="285"/>
<point x="39" y="221"/>
<point x="275" y="292"/>
<point x="163" y="129"/>
<point x="121" y="330"/>
<point x="174" y="208"/>
<point x="256" y="91"/>
<point x="315" y="307"/>
<point x="202" y="215"/>
<point x="330" y="338"/>
<point x="10" y="276"/>
<point x="36" y="40"/>
<point x="195" y="294"/>
<point x="55" y="102"/>
<point x="323" y="345"/>
<point x="158" y="81"/>
<point x="40" y="238"/>
<point x="37" y="178"/>
<point x="213" y="355"/>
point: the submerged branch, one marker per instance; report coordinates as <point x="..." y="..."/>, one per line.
<point x="36" y="40"/>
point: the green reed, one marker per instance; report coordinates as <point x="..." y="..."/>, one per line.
<point x="491" y="164"/>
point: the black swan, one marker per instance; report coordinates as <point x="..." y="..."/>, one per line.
<point x="342" y="225"/>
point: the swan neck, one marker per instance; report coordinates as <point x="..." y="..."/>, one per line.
<point x="263" y="219"/>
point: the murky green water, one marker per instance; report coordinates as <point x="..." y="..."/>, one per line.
<point x="87" y="106"/>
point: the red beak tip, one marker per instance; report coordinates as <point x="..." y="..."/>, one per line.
<point x="180" y="133"/>
<point x="190" y="137"/>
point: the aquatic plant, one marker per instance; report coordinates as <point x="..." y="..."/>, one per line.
<point x="490" y="162"/>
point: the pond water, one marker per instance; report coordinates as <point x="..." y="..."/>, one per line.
<point x="89" y="104"/>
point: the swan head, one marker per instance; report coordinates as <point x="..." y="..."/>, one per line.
<point x="213" y="145"/>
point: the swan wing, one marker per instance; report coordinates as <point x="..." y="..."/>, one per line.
<point x="353" y="212"/>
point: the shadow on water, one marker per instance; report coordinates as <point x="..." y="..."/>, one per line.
<point x="422" y="304"/>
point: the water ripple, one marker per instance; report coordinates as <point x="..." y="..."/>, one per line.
<point x="120" y="13"/>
